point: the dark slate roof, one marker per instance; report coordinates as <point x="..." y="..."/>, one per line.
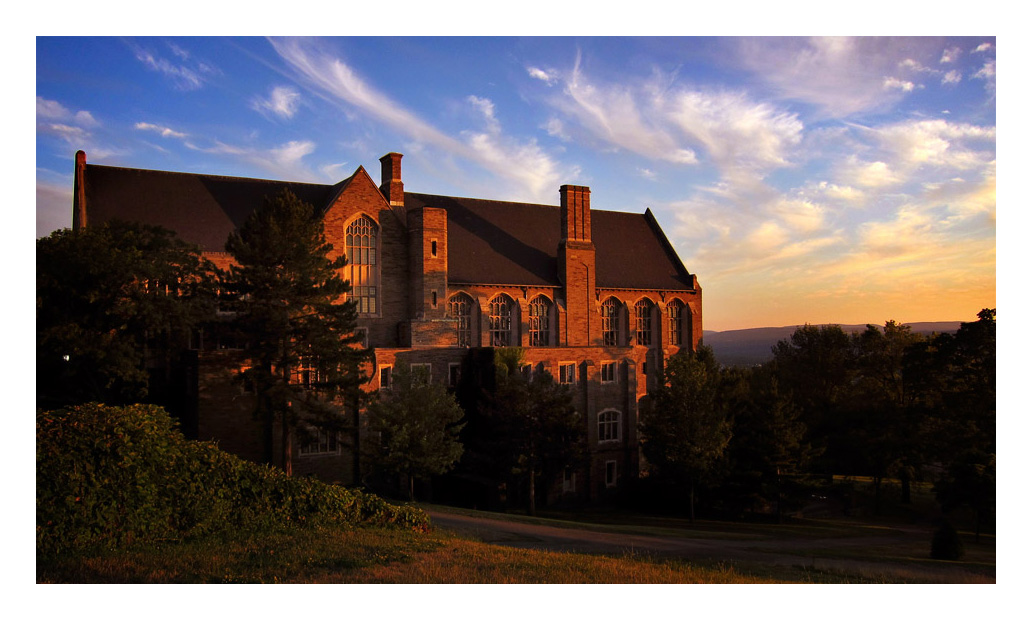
<point x="489" y="241"/>
<point x="202" y="209"/>
<point x="496" y="242"/>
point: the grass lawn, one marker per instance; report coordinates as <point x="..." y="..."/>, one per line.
<point x="374" y="555"/>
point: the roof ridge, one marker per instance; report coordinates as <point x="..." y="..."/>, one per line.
<point x="210" y="176"/>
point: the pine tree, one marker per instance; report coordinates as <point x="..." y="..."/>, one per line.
<point x="300" y="330"/>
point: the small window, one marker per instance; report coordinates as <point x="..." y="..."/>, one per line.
<point x="433" y="299"/>
<point x="610" y="473"/>
<point x="420" y="373"/>
<point x="454" y="373"/>
<point x="385" y="377"/>
<point x="321" y="441"/>
<point x="609" y="426"/>
<point x="569" y="481"/>
<point x="608" y="372"/>
<point x="567" y="373"/>
<point x="433" y="248"/>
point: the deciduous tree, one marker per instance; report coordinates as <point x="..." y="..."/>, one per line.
<point x="114" y="302"/>
<point x="415" y="428"/>
<point x="685" y="425"/>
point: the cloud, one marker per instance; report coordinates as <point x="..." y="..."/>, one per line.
<point x="951" y="77"/>
<point x="164" y="132"/>
<point x="283" y="101"/>
<point x="184" y="77"/>
<point x="282" y="162"/>
<point x="840" y="75"/>
<point x="938" y="143"/>
<point x="524" y="164"/>
<point x="988" y="73"/>
<point x="549" y="77"/>
<point x="949" y="55"/>
<point x="52" y="110"/>
<point x="53" y="203"/>
<point x="897" y="84"/>
<point x="645" y="173"/>
<point x="982" y="47"/>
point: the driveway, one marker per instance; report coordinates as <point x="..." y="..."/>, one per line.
<point x="790" y="552"/>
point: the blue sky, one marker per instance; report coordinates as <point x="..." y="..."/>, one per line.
<point x="803" y="179"/>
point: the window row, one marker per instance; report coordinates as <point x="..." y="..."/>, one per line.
<point x="502" y="322"/>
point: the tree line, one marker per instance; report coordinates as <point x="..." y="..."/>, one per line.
<point x="882" y="403"/>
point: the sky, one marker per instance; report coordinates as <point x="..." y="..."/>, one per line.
<point x="803" y="180"/>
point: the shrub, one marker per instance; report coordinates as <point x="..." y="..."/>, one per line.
<point x="114" y="475"/>
<point x="946" y="543"/>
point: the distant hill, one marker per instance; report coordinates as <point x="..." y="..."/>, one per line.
<point x="748" y="347"/>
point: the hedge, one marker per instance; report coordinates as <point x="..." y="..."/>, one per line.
<point x="113" y="476"/>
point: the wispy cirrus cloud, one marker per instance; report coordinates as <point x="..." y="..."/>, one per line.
<point x="523" y="163"/>
<point x="186" y="73"/>
<point x="283" y="101"/>
<point x="283" y="161"/>
<point x="164" y="132"/>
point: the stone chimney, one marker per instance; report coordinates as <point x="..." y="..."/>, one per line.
<point x="390" y="179"/>
<point x="79" y="192"/>
<point x="577" y="267"/>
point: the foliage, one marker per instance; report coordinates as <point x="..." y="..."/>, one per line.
<point x="111" y="300"/>
<point x="685" y="425"/>
<point x="417" y="423"/>
<point x="111" y="476"/>
<point x="946" y="543"/>
<point x="970" y="481"/>
<point x="291" y="309"/>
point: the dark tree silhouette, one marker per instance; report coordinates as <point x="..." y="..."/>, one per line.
<point x="291" y="310"/>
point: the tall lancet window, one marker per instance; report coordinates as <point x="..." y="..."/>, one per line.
<point x="539" y="322"/>
<point x="362" y="268"/>
<point x="461" y="307"/>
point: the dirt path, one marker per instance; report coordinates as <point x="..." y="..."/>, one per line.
<point x="790" y="552"/>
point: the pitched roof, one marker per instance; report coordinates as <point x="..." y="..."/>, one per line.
<point x="202" y="209"/>
<point x="497" y="242"/>
<point x="489" y="241"/>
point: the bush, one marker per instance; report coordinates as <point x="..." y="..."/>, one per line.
<point x="946" y="543"/>
<point x="115" y="475"/>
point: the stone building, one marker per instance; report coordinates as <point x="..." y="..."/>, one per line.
<point x="596" y="298"/>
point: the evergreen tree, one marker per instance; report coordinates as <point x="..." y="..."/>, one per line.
<point x="291" y="309"/>
<point x="115" y="304"/>
<point x="685" y="425"/>
<point x="415" y="428"/>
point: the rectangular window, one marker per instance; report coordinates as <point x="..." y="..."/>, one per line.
<point x="609" y="426"/>
<point x="306" y="374"/>
<point x="454" y="372"/>
<point x="420" y="373"/>
<point x="385" y="377"/>
<point x="433" y="248"/>
<point x="608" y="372"/>
<point x="569" y="481"/>
<point x="610" y="473"/>
<point x="567" y="373"/>
<point x="321" y="442"/>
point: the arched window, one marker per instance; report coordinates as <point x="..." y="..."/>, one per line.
<point x="460" y="306"/>
<point x="643" y="322"/>
<point x="540" y="315"/>
<point x="499" y="328"/>
<point x="360" y="247"/>
<point x="610" y="322"/>
<point x="675" y="322"/>
<point x="609" y="425"/>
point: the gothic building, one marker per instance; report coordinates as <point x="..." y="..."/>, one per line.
<point x="596" y="298"/>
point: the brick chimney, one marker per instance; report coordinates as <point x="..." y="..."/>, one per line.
<point x="577" y="266"/>
<point x="390" y="179"/>
<point x="79" y="192"/>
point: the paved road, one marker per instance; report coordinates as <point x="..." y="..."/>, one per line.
<point x="784" y="552"/>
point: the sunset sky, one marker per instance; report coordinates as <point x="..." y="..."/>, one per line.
<point x="802" y="180"/>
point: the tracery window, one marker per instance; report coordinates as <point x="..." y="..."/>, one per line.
<point x="610" y="324"/>
<point x="360" y="246"/>
<point x="675" y="322"/>
<point x="461" y="307"/>
<point x="643" y="322"/>
<point x="539" y="319"/>
<point x="499" y="327"/>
